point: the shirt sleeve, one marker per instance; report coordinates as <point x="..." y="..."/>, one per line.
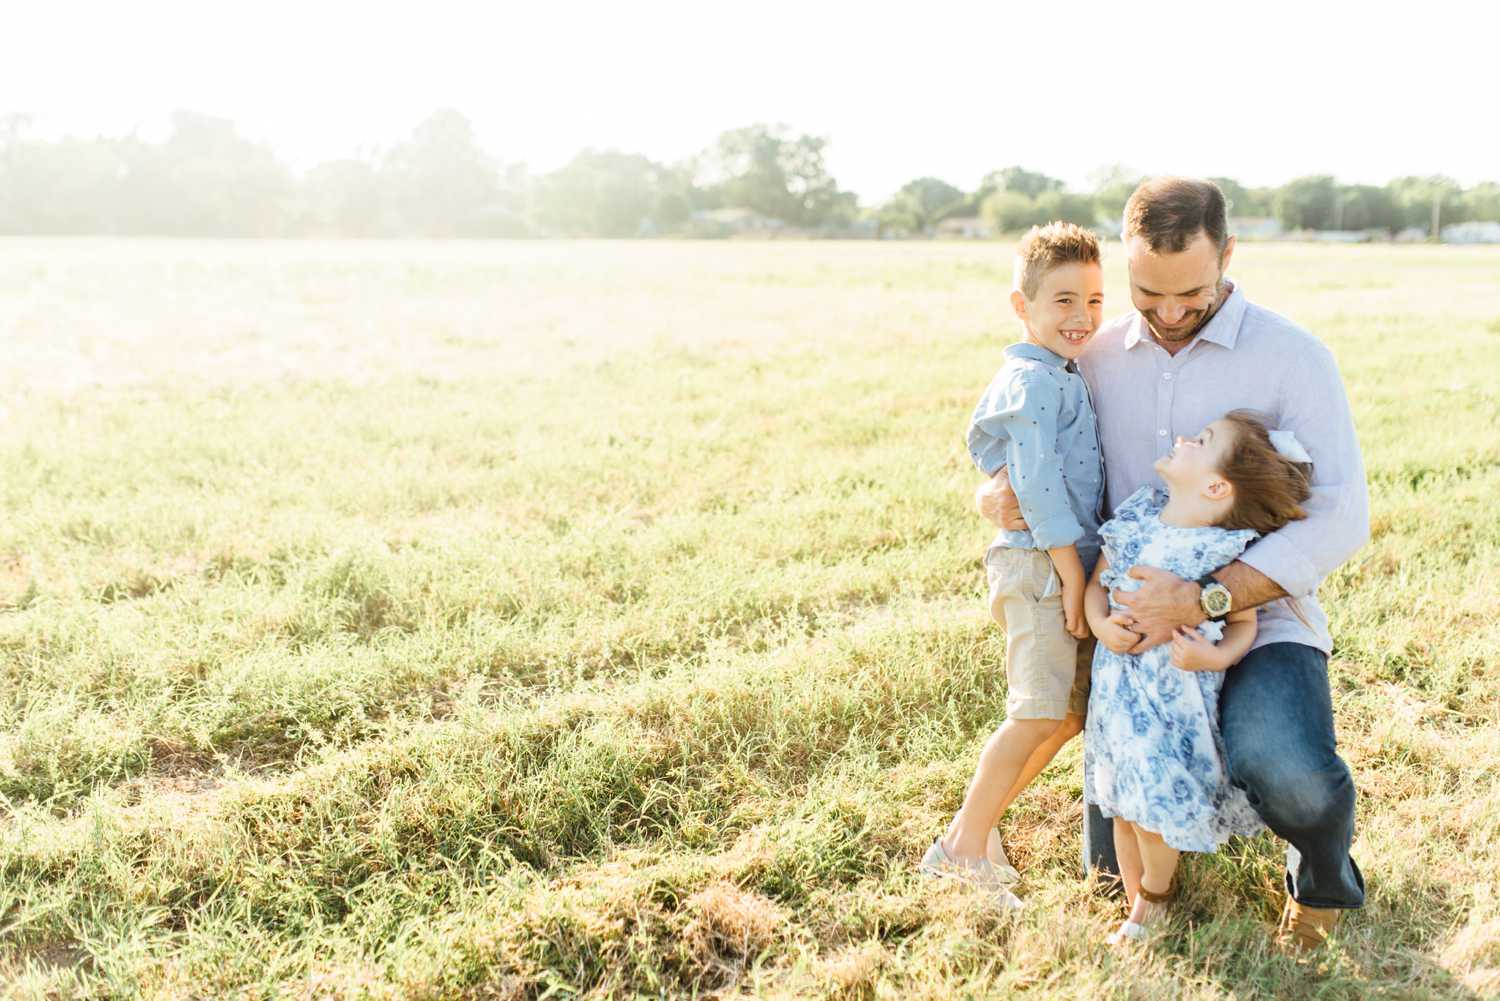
<point x="1015" y="425"/>
<point x="1301" y="553"/>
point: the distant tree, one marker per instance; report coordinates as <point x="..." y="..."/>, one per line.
<point x="515" y="199"/>
<point x="766" y="168"/>
<point x="1364" y="206"/>
<point x="1482" y="202"/>
<point x="441" y="182"/>
<point x="1064" y="205"/>
<point x="920" y="204"/>
<point x="207" y="180"/>
<point x="1010" y="211"/>
<point x="344" y="198"/>
<point x="66" y="187"/>
<point x="1235" y="194"/>
<point x="1020" y="181"/>
<point x="1307" y="203"/>
<point x="1113" y="186"/>
<point x="1413" y="198"/>
<point x="604" y="193"/>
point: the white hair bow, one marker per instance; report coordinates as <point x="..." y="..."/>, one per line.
<point x="1287" y="444"/>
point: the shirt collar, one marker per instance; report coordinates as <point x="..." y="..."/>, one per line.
<point x="1035" y="352"/>
<point x="1223" y="329"/>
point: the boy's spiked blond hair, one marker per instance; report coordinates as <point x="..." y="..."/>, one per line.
<point x="1053" y="245"/>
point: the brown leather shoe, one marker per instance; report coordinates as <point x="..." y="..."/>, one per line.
<point x="1303" y="928"/>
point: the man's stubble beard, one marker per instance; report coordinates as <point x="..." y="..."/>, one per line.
<point x="1208" y="315"/>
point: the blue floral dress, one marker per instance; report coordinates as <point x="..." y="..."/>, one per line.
<point x="1152" y="752"/>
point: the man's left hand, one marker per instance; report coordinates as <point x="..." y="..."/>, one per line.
<point x="1163" y="602"/>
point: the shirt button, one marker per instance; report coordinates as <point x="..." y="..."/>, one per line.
<point x="1167" y="376"/>
<point x="1162" y="433"/>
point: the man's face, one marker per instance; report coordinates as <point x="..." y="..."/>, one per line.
<point x="1067" y="310"/>
<point x="1176" y="292"/>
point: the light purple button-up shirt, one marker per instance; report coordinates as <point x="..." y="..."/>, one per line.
<point x="1246" y="357"/>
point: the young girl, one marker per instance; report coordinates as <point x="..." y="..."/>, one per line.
<point x="1153" y="754"/>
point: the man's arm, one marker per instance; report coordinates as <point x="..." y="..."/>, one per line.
<point x="1292" y="560"/>
<point x="997" y="502"/>
<point x="1165" y="601"/>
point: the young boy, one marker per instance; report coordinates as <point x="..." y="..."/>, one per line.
<point x="1036" y="418"/>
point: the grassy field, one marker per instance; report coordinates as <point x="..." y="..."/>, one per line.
<point x="403" y="620"/>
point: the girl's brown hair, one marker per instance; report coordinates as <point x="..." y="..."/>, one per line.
<point x="1269" y="488"/>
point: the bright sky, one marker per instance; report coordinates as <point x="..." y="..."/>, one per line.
<point x="1260" y="92"/>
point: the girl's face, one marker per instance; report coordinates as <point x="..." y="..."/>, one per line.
<point x="1194" y="464"/>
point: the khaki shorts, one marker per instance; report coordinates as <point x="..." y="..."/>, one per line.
<point x="1046" y="669"/>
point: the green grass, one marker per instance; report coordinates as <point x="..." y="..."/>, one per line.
<point x="535" y="620"/>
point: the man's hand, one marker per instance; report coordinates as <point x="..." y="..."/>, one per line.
<point x="1191" y="651"/>
<point x="1115" y="634"/>
<point x="1163" y="602"/>
<point x="997" y="503"/>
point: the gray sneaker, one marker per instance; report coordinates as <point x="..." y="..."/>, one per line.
<point x="980" y="874"/>
<point x="994" y="850"/>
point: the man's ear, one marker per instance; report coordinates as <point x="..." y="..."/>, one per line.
<point x="1018" y="304"/>
<point x="1224" y="257"/>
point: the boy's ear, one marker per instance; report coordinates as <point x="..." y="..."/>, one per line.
<point x="1018" y="304"/>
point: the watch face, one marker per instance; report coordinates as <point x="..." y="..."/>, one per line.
<point x="1216" y="599"/>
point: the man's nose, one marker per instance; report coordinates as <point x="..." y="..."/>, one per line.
<point x="1171" y="313"/>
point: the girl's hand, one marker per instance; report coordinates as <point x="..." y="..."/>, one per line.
<point x="1115" y="635"/>
<point x="1191" y="652"/>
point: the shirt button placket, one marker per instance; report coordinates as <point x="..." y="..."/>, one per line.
<point x="1163" y="405"/>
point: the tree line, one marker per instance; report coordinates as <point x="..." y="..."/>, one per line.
<point x="206" y="179"/>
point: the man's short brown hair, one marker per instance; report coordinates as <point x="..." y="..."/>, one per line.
<point x="1051" y="246"/>
<point x="1169" y="212"/>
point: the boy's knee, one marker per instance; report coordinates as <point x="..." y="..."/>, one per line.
<point x="1037" y="731"/>
<point x="1068" y="728"/>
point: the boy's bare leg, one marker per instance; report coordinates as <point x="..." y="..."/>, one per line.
<point x="1004" y="756"/>
<point x="1128" y="854"/>
<point x="1159" y="862"/>
<point x="1072" y="726"/>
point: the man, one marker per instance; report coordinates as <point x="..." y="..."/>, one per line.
<point x="1194" y="348"/>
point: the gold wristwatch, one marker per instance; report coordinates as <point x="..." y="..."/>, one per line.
<point x="1214" y="598"/>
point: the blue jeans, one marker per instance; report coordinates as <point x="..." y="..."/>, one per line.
<point x="1277" y="718"/>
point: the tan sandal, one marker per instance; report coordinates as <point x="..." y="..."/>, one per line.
<point x="1133" y="931"/>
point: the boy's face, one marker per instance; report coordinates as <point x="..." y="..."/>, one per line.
<point x="1067" y="310"/>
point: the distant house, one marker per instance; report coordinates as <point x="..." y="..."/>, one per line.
<point x="964" y="227"/>
<point x="1255" y="227"/>
<point x="729" y="222"/>
<point x="1337" y="235"/>
<point x="1472" y="232"/>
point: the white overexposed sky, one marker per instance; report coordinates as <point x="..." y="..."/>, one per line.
<point x="1259" y="92"/>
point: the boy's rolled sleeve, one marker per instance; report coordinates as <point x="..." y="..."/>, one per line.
<point x="1300" y="554"/>
<point x="1015" y="425"/>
